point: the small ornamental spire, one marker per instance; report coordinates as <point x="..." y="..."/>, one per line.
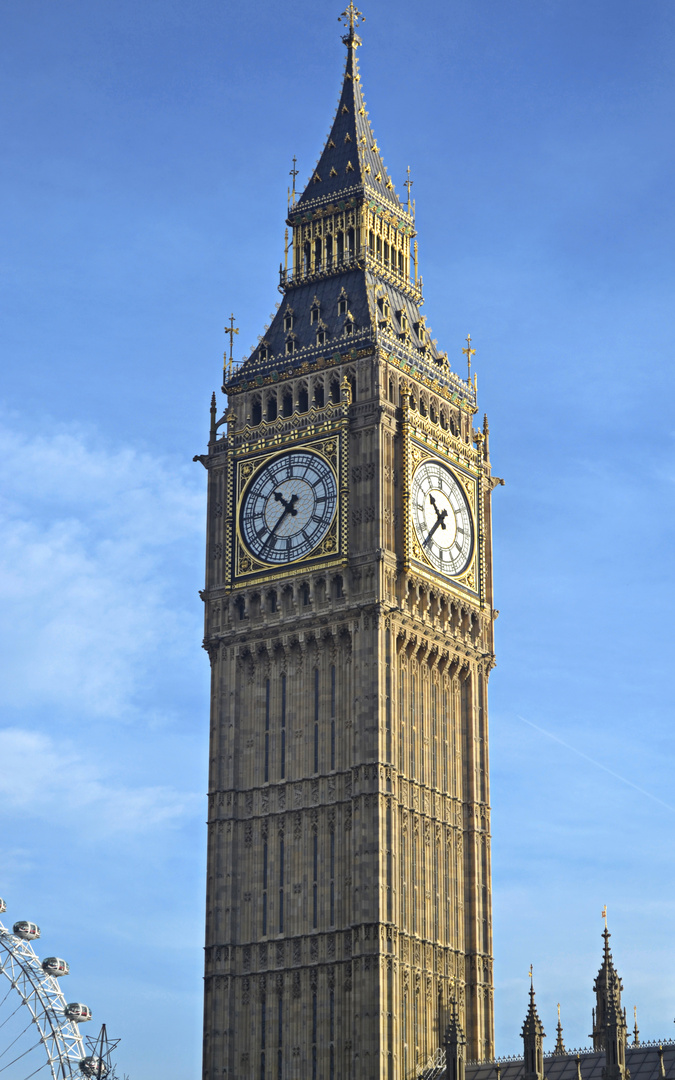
<point x="408" y="184"/>
<point x="230" y="330"/>
<point x="533" y="1040"/>
<point x="294" y="172"/>
<point x="636" y="1033"/>
<point x="469" y="352"/>
<point x="559" y="1044"/>
<point x="351" y="17"/>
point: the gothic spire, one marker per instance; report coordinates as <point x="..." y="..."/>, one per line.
<point x="559" y="1044"/>
<point x="533" y="1041"/>
<point x="454" y="1043"/>
<point x="351" y="161"/>
<point x="607" y="987"/>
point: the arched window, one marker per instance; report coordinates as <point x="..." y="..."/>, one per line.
<point x="340" y="248"/>
<point x="329" y="251"/>
<point x="321" y="337"/>
<point x="272" y="601"/>
<point x="306" y="256"/>
<point x="319" y="396"/>
<point x="272" y="407"/>
<point x="317" y="253"/>
<point x="391" y="390"/>
<point x="350" y="244"/>
<point x="423" y="407"/>
<point x="287" y="404"/>
<point x="240" y="607"/>
<point x="371" y="242"/>
<point x="335" y="392"/>
<point x="256" y="411"/>
<point x="386" y="253"/>
<point x="290" y="346"/>
<point x="303" y="400"/>
<point x="304" y="595"/>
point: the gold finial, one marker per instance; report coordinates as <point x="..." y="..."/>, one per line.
<point x="231" y="330"/>
<point x="531" y="977"/>
<point x="351" y="17"/>
<point x="558" y="1012"/>
<point x="604" y="915"/>
<point x="408" y="184"/>
<point x="468" y="352"/>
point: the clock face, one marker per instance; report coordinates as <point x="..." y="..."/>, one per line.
<point x="288" y="507"/>
<point x="441" y="518"/>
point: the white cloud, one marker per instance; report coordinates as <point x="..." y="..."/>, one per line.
<point x="90" y="538"/>
<point x="55" y="783"/>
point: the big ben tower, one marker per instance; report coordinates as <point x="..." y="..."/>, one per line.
<point x="349" y="626"/>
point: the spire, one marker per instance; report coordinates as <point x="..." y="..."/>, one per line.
<point x="559" y="1044"/>
<point x="636" y="1032"/>
<point x="454" y="1043"/>
<point x="607" y="987"/>
<point x="351" y="161"/>
<point x="616" y="1038"/>
<point x="533" y="1041"/>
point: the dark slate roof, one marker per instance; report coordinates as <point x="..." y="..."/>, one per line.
<point x="642" y="1062"/>
<point x="351" y="158"/>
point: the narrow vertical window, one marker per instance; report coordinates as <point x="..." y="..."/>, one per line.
<point x="413" y="878"/>
<point x="389" y="865"/>
<point x="314" y="1012"/>
<point x="404" y="887"/>
<point x="316" y="720"/>
<point x="267" y="730"/>
<point x="332" y="1035"/>
<point x="434" y="736"/>
<point x="315" y="883"/>
<point x="283" y="726"/>
<point x="436" y="896"/>
<point x="332" y="879"/>
<point x="263" y="1035"/>
<point x="446" y="748"/>
<point x="332" y="716"/>
<point x="401" y="707"/>
<point x="280" y="1024"/>
<point x="264" y="895"/>
<point x="413" y="718"/>
<point x="387" y="691"/>
<point x="281" y="886"/>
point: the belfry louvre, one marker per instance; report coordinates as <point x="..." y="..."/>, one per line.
<point x="349" y="624"/>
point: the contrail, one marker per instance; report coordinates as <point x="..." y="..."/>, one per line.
<point x="599" y="764"/>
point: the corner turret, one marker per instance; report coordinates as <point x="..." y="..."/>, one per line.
<point x="454" y="1044"/>
<point x="607" y="987"/>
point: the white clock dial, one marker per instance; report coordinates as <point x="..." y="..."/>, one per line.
<point x="441" y="518"/>
<point x="288" y="507"/>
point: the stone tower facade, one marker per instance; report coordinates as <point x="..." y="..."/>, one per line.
<point x="349" y="624"/>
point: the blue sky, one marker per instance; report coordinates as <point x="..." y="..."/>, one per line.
<point x="147" y="148"/>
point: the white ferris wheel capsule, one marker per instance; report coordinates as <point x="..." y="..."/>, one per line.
<point x="54" y="965"/>
<point x="27" y="931"/>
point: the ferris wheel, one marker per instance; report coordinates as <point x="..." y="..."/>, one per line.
<point x="39" y="1028"/>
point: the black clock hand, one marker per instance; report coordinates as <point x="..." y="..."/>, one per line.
<point x="289" y="508"/>
<point x="440" y="521"/>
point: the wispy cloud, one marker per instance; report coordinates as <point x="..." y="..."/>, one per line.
<point x="45" y="780"/>
<point x="86" y="536"/>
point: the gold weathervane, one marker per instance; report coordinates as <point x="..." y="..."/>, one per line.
<point x="351" y="16"/>
<point x="230" y="330"/>
<point x="604" y="915"/>
<point x="469" y="352"/>
<point x="531" y="976"/>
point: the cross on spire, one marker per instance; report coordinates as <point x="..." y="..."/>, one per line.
<point x="231" y="330"/>
<point x="351" y="17"/>
<point x="408" y="184"/>
<point x="294" y="172"/>
<point x="469" y="352"/>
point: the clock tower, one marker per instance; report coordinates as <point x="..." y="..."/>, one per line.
<point x="349" y="624"/>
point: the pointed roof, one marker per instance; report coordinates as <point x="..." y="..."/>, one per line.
<point x="559" y="1043"/>
<point x="532" y="1025"/>
<point x="607" y="979"/>
<point x="351" y="161"/>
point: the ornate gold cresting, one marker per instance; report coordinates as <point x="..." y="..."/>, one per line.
<point x="351" y="17"/>
<point x="230" y="330"/>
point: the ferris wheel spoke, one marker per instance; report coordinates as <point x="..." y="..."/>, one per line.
<point x="10" y="1017"/>
<point x="28" y="1051"/>
<point x="15" y="1040"/>
<point x="36" y="1071"/>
